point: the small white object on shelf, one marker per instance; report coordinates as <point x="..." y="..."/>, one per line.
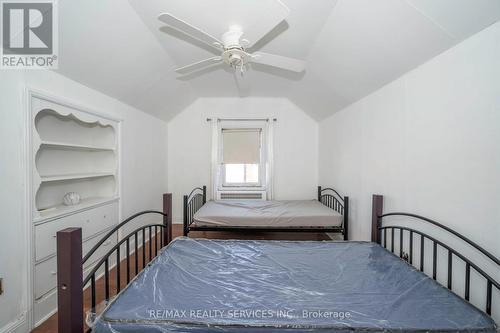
<point x="71" y="199"/>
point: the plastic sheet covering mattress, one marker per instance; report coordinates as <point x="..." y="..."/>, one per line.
<point x="270" y="213"/>
<point x="268" y="286"/>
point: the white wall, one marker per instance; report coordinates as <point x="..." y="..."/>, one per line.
<point x="295" y="146"/>
<point x="429" y="142"/>
<point x="144" y="175"/>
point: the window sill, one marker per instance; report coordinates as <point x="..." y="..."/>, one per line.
<point x="241" y="188"/>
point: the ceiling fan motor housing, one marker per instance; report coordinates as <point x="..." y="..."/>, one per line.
<point x="231" y="38"/>
<point x="234" y="54"/>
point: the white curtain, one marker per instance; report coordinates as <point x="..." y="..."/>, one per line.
<point x="270" y="159"/>
<point x="215" y="158"/>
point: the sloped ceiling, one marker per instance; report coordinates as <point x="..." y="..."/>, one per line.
<point x="352" y="48"/>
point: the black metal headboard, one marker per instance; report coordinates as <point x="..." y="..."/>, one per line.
<point x="380" y="236"/>
<point x="332" y="199"/>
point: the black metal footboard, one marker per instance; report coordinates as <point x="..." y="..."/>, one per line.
<point x="410" y="244"/>
<point x="192" y="203"/>
<point x="327" y="196"/>
<point x="70" y="280"/>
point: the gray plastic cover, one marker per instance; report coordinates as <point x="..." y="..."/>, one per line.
<point x="200" y="285"/>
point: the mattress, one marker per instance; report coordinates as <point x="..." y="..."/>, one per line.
<point x="272" y="213"/>
<point x="197" y="285"/>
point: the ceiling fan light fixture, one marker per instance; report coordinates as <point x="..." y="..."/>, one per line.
<point x="235" y="60"/>
<point x="235" y="57"/>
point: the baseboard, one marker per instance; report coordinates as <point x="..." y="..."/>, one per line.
<point x="18" y="326"/>
<point x="43" y="319"/>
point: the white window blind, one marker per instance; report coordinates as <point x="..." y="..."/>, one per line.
<point x="241" y="146"/>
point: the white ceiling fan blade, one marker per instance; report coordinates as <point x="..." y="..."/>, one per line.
<point x="274" y="60"/>
<point x="198" y="65"/>
<point x="192" y="31"/>
<point x="272" y="14"/>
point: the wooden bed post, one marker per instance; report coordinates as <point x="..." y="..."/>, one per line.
<point x="204" y="194"/>
<point x="69" y="281"/>
<point x="167" y="220"/>
<point x="377" y="209"/>
<point x="185" y="232"/>
<point x="346" y="218"/>
<point x="319" y="193"/>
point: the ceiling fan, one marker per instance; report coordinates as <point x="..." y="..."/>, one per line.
<point x="235" y="42"/>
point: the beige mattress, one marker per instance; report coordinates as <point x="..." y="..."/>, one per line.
<point x="259" y="213"/>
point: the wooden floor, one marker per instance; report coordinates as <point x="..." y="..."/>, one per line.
<point x="51" y="324"/>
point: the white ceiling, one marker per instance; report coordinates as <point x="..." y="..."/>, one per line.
<point x="352" y="48"/>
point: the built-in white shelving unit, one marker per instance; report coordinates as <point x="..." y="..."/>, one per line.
<point x="73" y="150"/>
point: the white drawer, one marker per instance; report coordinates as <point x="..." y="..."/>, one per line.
<point x="46" y="271"/>
<point x="45" y="307"/>
<point x="45" y="277"/>
<point x="91" y="221"/>
<point x="101" y="251"/>
<point x="98" y="219"/>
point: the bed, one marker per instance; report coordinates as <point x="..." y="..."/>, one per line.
<point x="201" y="285"/>
<point x="328" y="213"/>
<point x="249" y="286"/>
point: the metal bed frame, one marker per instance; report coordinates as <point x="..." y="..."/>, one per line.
<point x="406" y="250"/>
<point x="70" y="280"/>
<point x="71" y="283"/>
<point x="327" y="196"/>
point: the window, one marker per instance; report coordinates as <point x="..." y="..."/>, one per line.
<point x="241" y="174"/>
<point x="241" y="157"/>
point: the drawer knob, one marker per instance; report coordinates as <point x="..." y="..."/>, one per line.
<point x="53" y="273"/>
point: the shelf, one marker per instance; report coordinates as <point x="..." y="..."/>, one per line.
<point x="52" y="126"/>
<point x="55" y="178"/>
<point x="59" y="210"/>
<point x="74" y="152"/>
<point x="55" y="144"/>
